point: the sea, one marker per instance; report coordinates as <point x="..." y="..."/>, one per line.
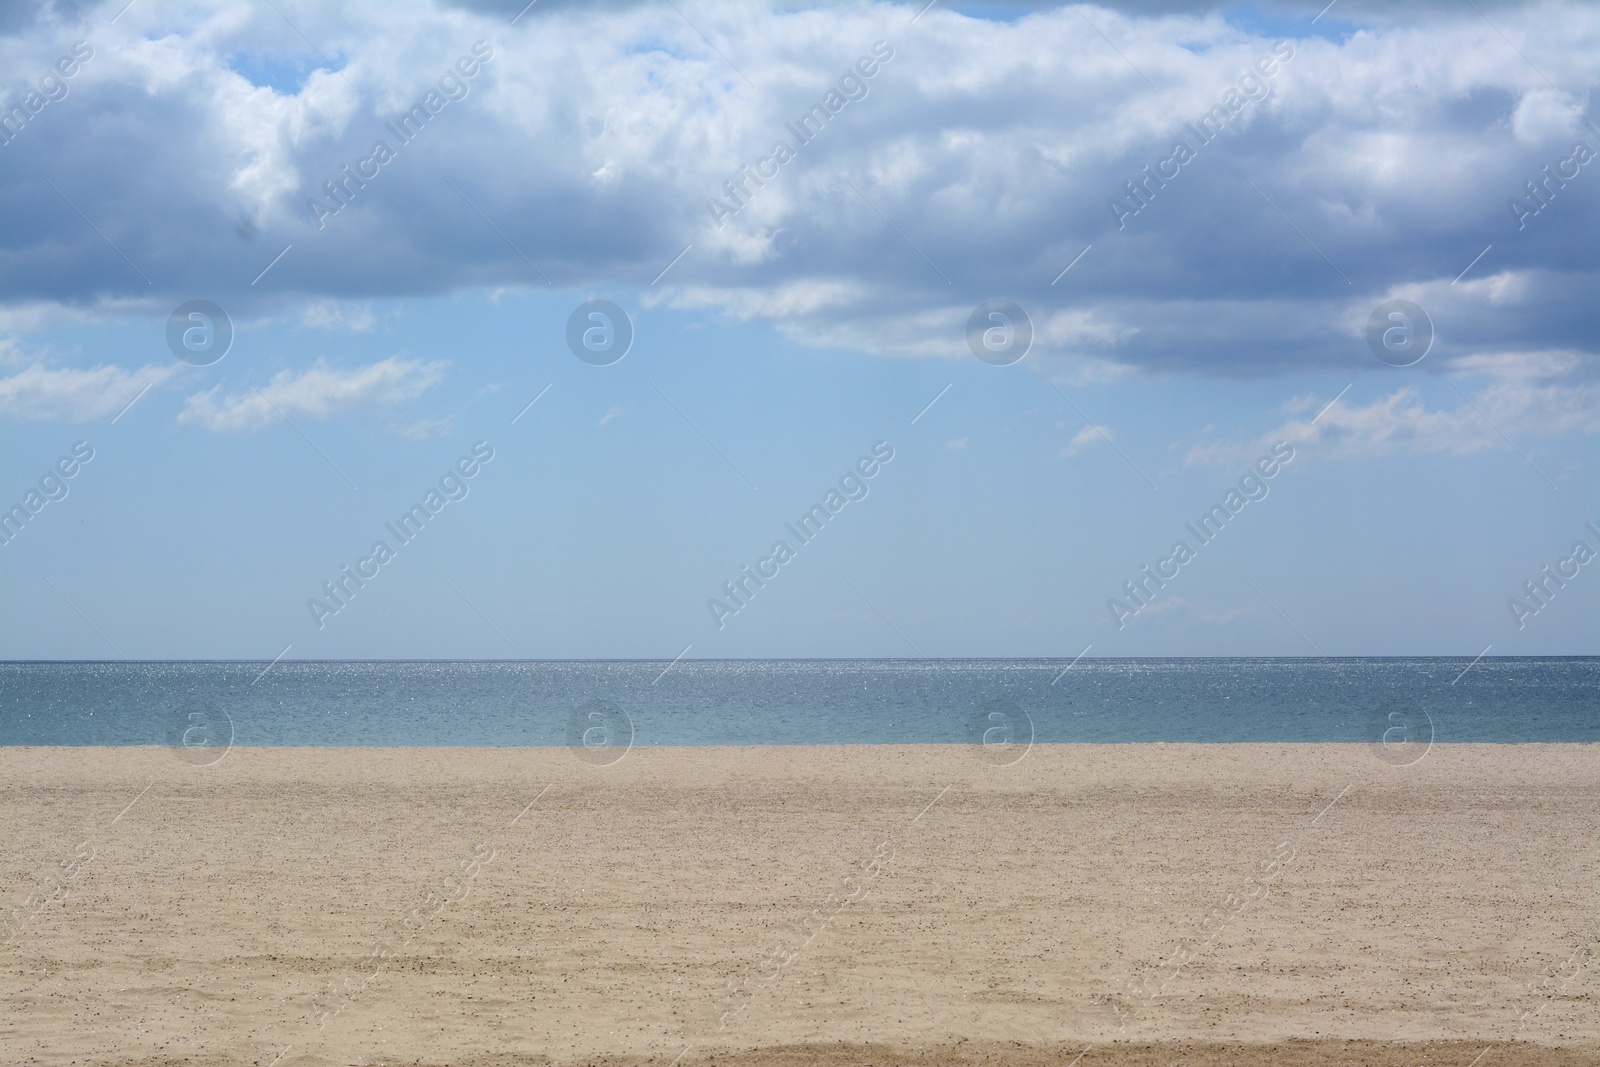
<point x="801" y="702"/>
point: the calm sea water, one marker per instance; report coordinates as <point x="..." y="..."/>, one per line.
<point x="800" y="701"/>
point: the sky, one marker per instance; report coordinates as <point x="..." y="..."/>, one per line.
<point x="1007" y="298"/>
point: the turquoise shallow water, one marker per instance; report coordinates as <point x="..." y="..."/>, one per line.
<point x="801" y="701"/>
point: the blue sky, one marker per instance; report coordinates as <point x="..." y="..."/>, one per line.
<point x="1220" y="317"/>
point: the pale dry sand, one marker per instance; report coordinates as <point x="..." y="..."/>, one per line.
<point x="1431" y="912"/>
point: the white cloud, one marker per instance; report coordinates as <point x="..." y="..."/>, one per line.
<point x="615" y="412"/>
<point x="1544" y="115"/>
<point x="427" y="429"/>
<point x="1085" y="438"/>
<point x="1529" y="395"/>
<point x="1073" y="329"/>
<point x="42" y="393"/>
<point x="318" y="392"/>
<point x="1185" y="611"/>
<point x="329" y="315"/>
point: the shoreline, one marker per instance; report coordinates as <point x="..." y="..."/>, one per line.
<point x="789" y="746"/>
<point x="1351" y="745"/>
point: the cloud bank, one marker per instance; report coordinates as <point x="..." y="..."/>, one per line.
<point x="1325" y="168"/>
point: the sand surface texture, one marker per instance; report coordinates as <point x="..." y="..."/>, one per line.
<point x="1151" y="904"/>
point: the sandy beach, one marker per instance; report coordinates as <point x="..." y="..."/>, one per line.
<point x="1151" y="904"/>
